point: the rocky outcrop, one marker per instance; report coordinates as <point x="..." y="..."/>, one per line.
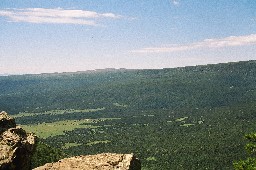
<point x="104" y="161"/>
<point x="16" y="146"/>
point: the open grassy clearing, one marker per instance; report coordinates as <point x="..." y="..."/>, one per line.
<point x="181" y="119"/>
<point x="97" y="142"/>
<point x="120" y="105"/>
<point x="152" y="158"/>
<point x="57" y="112"/>
<point x="69" y="145"/>
<point x="187" y="125"/>
<point x="45" y="130"/>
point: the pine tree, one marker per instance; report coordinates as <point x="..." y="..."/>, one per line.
<point x="250" y="162"/>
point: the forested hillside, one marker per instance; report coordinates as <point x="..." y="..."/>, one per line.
<point x="179" y="118"/>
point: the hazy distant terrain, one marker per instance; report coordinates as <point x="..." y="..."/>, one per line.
<point x="180" y="118"/>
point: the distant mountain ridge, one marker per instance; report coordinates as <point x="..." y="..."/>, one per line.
<point x="136" y="86"/>
<point x="121" y="69"/>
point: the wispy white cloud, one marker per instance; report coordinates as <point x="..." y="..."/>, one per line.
<point x="207" y="43"/>
<point x="57" y="15"/>
<point x="175" y="2"/>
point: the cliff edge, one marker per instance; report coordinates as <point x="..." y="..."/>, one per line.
<point x="104" y="161"/>
<point x="16" y="146"/>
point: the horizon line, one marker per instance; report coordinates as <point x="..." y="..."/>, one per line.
<point x="116" y="69"/>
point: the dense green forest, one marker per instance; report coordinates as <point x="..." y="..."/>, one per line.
<point x="177" y="118"/>
<point x="250" y="147"/>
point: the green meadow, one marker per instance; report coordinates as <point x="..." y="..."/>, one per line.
<point x="45" y="130"/>
<point x="57" y="112"/>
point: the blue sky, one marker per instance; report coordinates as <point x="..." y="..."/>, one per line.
<point x="39" y="36"/>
